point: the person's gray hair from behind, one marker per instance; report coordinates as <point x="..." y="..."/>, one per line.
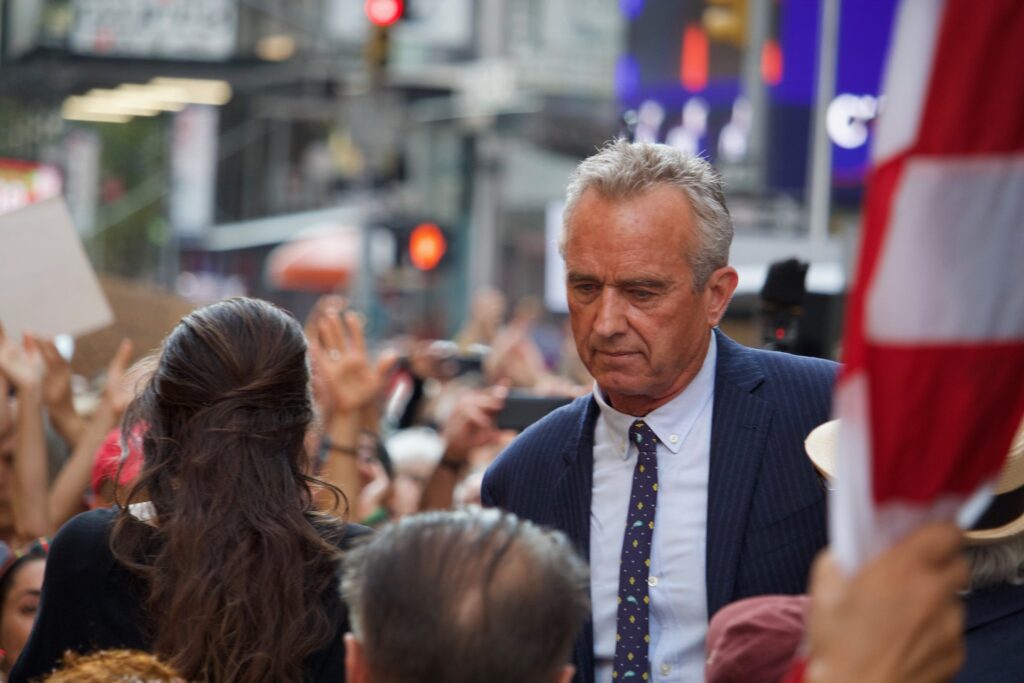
<point x="997" y="563"/>
<point x="624" y="170"/>
<point x="464" y="596"/>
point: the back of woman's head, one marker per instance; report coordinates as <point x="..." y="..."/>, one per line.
<point x="224" y="419"/>
<point x="232" y="381"/>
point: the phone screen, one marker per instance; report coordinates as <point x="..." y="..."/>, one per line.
<point x="522" y="410"/>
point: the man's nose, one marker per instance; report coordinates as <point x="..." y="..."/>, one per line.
<point x="611" y="314"/>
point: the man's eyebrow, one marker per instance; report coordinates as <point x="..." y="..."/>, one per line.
<point x="638" y="282"/>
<point x="644" y="283"/>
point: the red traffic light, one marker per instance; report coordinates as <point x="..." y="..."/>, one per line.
<point x="426" y="246"/>
<point x="384" y="12"/>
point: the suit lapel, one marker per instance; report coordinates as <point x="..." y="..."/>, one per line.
<point x="572" y="514"/>
<point x="573" y="488"/>
<point x="739" y="426"/>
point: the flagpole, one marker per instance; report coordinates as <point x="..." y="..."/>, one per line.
<point x="820" y="185"/>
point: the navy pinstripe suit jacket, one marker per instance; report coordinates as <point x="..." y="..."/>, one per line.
<point x="766" y="504"/>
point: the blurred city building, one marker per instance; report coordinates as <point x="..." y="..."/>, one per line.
<point x="284" y="148"/>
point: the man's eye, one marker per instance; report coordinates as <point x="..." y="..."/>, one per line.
<point x="641" y="294"/>
<point x="585" y="288"/>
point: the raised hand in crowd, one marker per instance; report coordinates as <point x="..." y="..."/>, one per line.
<point x="515" y="358"/>
<point x="57" y="394"/>
<point x="899" y="619"/>
<point x="23" y="364"/>
<point x="485" y="317"/>
<point x="321" y="389"/>
<point x="24" y="367"/>
<point x="38" y="508"/>
<point x="355" y="383"/>
<point x="73" y="479"/>
<point x="470" y="426"/>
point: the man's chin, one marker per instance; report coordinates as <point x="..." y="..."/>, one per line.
<point x="621" y="383"/>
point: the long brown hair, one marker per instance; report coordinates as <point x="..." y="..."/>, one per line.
<point x="235" y="584"/>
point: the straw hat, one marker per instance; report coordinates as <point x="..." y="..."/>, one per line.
<point x="1004" y="517"/>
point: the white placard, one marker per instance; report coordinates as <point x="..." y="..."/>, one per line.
<point x="47" y="285"/>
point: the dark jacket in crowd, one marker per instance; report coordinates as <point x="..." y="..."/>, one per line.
<point x="91" y="602"/>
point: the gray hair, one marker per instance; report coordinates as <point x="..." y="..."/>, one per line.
<point x="623" y="170"/>
<point x="998" y="563"/>
<point x="471" y="595"/>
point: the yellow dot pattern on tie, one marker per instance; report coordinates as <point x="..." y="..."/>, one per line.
<point x="632" y="637"/>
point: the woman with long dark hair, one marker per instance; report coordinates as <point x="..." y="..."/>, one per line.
<point x="227" y="573"/>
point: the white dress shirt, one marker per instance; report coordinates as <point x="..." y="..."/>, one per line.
<point x="678" y="609"/>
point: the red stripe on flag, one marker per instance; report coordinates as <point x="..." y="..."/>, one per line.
<point x="925" y="401"/>
<point x="976" y="93"/>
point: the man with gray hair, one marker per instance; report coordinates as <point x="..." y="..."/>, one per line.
<point x="461" y="597"/>
<point x="681" y="477"/>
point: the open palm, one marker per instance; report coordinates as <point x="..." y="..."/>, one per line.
<point x="340" y="355"/>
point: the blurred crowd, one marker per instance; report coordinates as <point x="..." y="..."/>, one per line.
<point x="405" y="426"/>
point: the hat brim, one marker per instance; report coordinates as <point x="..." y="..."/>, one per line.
<point x="996" y="535"/>
<point x="822" y="448"/>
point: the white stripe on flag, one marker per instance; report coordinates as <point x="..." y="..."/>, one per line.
<point x="851" y="509"/>
<point x="938" y="278"/>
<point x="907" y="75"/>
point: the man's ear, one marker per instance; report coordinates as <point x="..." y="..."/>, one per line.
<point x="356" y="668"/>
<point x="718" y="293"/>
<point x="565" y="674"/>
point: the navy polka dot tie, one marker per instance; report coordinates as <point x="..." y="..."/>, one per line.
<point x="632" y="632"/>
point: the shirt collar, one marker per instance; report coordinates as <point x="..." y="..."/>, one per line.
<point x="671" y="422"/>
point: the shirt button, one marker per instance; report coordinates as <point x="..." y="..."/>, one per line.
<point x="665" y="669"/>
<point x="652" y="581"/>
<point x="674" y="438"/>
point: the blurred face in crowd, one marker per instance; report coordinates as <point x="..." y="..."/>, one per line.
<point x="640" y="327"/>
<point x="19" y="609"/>
<point x="407" y="487"/>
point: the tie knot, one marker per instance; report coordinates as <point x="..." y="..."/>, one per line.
<point x="642" y="435"/>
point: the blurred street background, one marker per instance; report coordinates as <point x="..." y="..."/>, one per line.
<point x="411" y="155"/>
